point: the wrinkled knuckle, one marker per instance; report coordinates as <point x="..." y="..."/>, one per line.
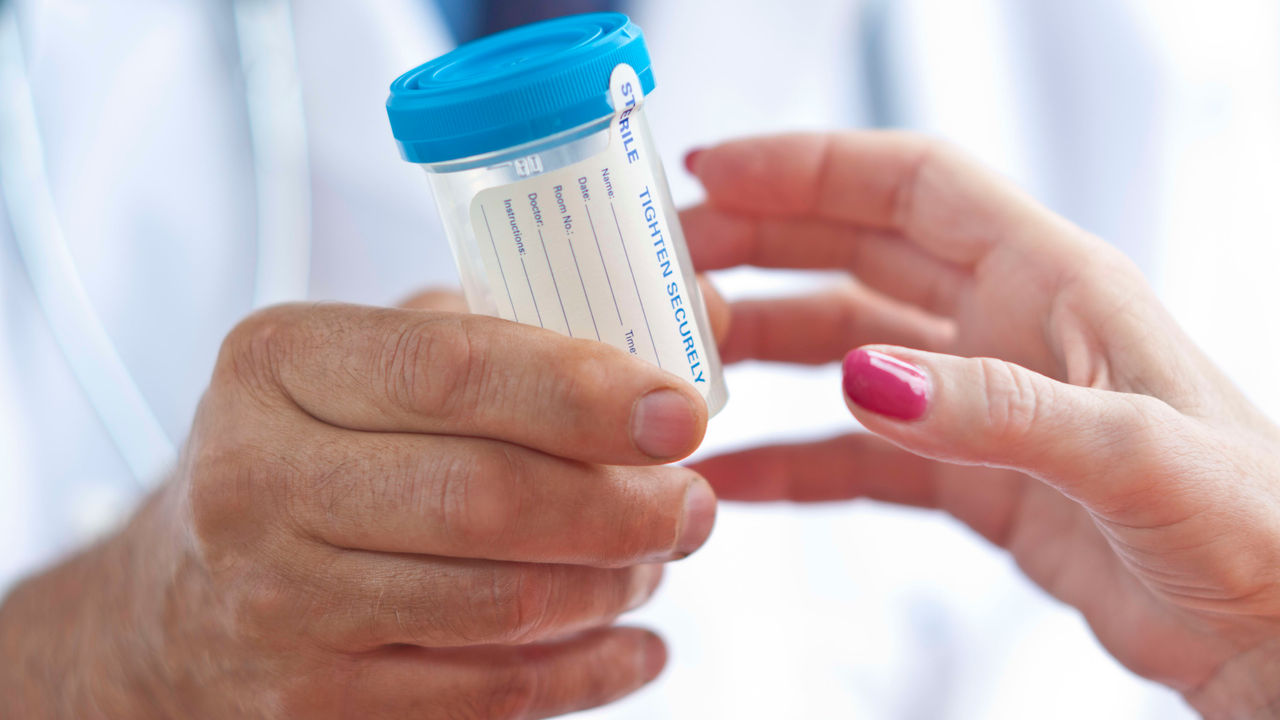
<point x="331" y="486"/>
<point x="928" y="153"/>
<point x="401" y="358"/>
<point x="452" y="485"/>
<point x="212" y="468"/>
<point x="254" y="350"/>
<point x="514" y="697"/>
<point x="221" y="490"/>
<point x="235" y="494"/>
<point x="472" y="496"/>
<point x="408" y="619"/>
<point x="521" y="604"/>
<point x="1013" y="402"/>
<point x="260" y="602"/>
<point x="427" y="365"/>
<point x="847" y="305"/>
<point x="264" y="606"/>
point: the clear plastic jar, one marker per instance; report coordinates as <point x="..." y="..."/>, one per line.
<point x="556" y="208"/>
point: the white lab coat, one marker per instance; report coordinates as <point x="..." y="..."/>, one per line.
<point x="847" y="610"/>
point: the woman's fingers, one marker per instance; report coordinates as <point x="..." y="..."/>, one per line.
<point x="718" y="311"/>
<point x="898" y="182"/>
<point x="881" y="260"/>
<point x="841" y="468"/>
<point x="860" y="465"/>
<point x="819" y="328"/>
<point x="534" y="681"/>
<point x="1098" y="447"/>
<point x="1178" y="500"/>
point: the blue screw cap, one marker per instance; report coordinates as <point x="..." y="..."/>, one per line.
<point x="514" y="87"/>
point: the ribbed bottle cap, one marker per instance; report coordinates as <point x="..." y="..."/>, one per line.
<point x="514" y="87"/>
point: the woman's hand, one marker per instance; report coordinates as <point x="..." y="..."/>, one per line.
<point x="1043" y="396"/>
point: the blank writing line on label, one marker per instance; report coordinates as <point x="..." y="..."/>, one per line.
<point x="636" y="285"/>
<point x="583" y="282"/>
<point x="533" y="295"/>
<point x="547" y="256"/>
<point x="503" y="273"/>
<point x="604" y="264"/>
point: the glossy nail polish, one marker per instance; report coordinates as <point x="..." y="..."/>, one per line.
<point x="885" y="385"/>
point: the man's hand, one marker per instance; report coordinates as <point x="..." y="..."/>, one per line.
<point x="381" y="513"/>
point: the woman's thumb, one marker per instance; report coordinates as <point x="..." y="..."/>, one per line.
<point x="980" y="411"/>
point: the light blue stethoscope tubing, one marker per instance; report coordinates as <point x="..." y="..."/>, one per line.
<point x="277" y="128"/>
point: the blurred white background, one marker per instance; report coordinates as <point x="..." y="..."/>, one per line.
<point x="1153" y="123"/>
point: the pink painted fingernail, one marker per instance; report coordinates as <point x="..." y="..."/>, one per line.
<point x="690" y="160"/>
<point x="663" y="425"/>
<point x="699" y="517"/>
<point x="885" y="385"/>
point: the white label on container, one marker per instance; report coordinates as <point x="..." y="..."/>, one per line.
<point x="586" y="250"/>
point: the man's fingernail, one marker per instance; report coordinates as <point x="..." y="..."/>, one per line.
<point x="653" y="657"/>
<point x="644" y="581"/>
<point x="663" y="425"/>
<point x="691" y="159"/>
<point x="885" y="385"/>
<point x="699" y="516"/>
